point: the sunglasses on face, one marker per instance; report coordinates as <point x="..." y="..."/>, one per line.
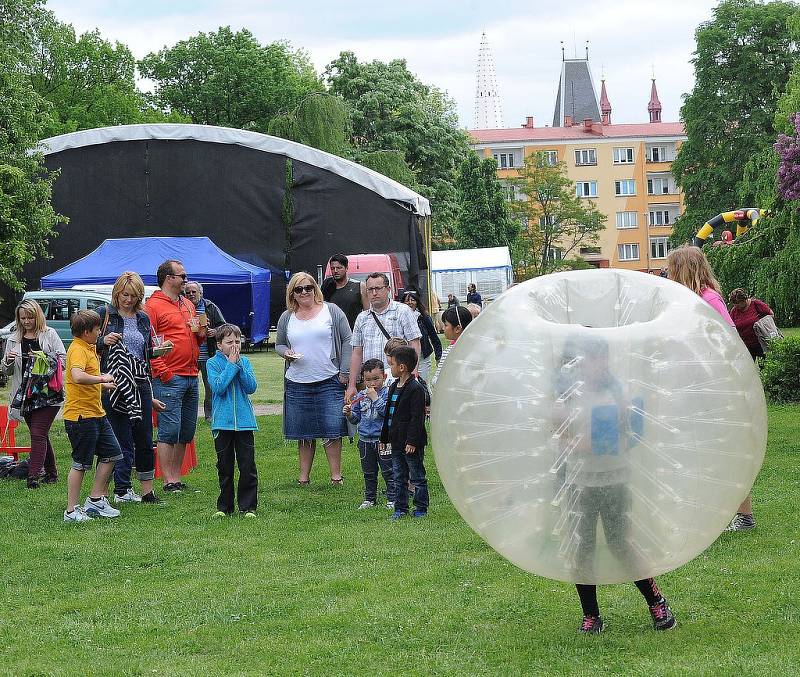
<point x="303" y="289"/>
<point x="183" y="276"/>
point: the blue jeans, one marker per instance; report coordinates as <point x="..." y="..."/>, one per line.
<point x="136" y="440"/>
<point x="177" y="423"/>
<point x="410" y="466"/>
<point x="371" y="460"/>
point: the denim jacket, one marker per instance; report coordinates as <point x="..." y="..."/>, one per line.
<point x="230" y="386"/>
<point x="369" y="415"/>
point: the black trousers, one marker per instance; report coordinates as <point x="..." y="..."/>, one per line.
<point x="236" y="446"/>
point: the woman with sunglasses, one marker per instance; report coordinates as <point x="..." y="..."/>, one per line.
<point x="429" y="342"/>
<point x="314" y="338"/>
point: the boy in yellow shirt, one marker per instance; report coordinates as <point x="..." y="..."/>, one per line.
<point x="85" y="421"/>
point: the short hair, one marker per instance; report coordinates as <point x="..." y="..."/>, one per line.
<point x="291" y="302"/>
<point x="405" y="355"/>
<point x="226" y="330"/>
<point x="738" y="295"/>
<point x="166" y="269"/>
<point x="381" y="276"/>
<point x="132" y="280"/>
<point x="197" y="284"/>
<point x="33" y="308"/>
<point x="339" y="258"/>
<point x="369" y="365"/>
<point x="458" y="316"/>
<point x="83" y="321"/>
<point x="392" y="343"/>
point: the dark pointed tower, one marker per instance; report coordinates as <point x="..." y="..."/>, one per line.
<point x="605" y="104"/>
<point x="654" y="107"/>
<point x="576" y="99"/>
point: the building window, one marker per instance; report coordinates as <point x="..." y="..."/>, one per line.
<point x="658" y="154"/>
<point x="659" y="247"/>
<point x="658" y="185"/>
<point x="623" y="156"/>
<point x="586" y="189"/>
<point x="627" y="219"/>
<point x="585" y="156"/>
<point x="625" y="187"/>
<point x="555" y="254"/>
<point x="551" y="158"/>
<point x="588" y="251"/>
<point x="628" y="252"/>
<point x="547" y="220"/>
<point x="505" y="160"/>
<point x="659" y="217"/>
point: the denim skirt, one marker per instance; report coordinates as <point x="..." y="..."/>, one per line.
<point x="314" y="410"/>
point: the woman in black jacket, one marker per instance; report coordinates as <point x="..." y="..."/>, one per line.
<point x="429" y="341"/>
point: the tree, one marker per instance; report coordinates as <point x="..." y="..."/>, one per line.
<point x="557" y="222"/>
<point x="392" y="110"/>
<point x="89" y="82"/>
<point x="483" y="219"/>
<point x="390" y="163"/>
<point x="742" y="63"/>
<point x="229" y="79"/>
<point x="320" y="121"/>
<point x="27" y="219"/>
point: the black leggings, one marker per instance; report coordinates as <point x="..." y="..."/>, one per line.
<point x="588" y="595"/>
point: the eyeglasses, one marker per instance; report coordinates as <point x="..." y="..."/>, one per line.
<point x="183" y="276"/>
<point x="374" y="290"/>
<point x="303" y="289"/>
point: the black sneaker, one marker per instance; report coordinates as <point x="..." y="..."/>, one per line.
<point x="33" y="483"/>
<point x="172" y="488"/>
<point x="150" y="497"/>
<point x="662" y="616"/>
<point x="49" y="479"/>
<point x="182" y="486"/>
<point x="741" y="522"/>
<point x="592" y="625"/>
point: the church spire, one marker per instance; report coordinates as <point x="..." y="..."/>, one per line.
<point x="488" y="107"/>
<point x="654" y="107"/>
<point x="605" y="104"/>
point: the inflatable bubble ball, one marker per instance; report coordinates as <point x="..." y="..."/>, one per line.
<point x="598" y="426"/>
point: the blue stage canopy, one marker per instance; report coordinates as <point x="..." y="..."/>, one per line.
<point x="240" y="289"/>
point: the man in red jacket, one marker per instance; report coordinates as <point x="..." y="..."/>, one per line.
<point x="174" y="319"/>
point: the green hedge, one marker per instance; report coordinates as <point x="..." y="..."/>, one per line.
<point x="781" y="370"/>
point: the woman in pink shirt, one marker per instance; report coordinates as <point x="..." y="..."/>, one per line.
<point x="688" y="266"/>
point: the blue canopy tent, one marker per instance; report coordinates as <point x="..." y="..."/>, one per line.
<point x="240" y="289"/>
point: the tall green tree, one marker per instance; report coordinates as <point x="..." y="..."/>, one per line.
<point x="483" y="219"/>
<point x="230" y="79"/>
<point x="393" y="110"/>
<point x="557" y="223"/>
<point x="27" y="219"/>
<point x="89" y="81"/>
<point x="320" y="121"/>
<point x="742" y="63"/>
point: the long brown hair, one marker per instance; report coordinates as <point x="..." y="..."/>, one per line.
<point x="688" y="266"/>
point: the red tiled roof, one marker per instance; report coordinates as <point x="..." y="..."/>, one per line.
<point x="577" y="132"/>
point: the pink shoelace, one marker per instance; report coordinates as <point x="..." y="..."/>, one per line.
<point x="659" y="610"/>
<point x="588" y="622"/>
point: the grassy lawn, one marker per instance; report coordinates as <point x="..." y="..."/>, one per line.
<point x="791" y="331"/>
<point x="313" y="586"/>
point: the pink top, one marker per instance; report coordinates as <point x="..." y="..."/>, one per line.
<point x="717" y="303"/>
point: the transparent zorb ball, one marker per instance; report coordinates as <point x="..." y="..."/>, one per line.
<point x="598" y="426"/>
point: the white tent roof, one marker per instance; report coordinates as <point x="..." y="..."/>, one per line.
<point x="378" y="183"/>
<point x="470" y="259"/>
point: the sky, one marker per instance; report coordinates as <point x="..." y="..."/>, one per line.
<point x="629" y="41"/>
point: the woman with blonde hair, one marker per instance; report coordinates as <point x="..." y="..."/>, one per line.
<point x="314" y="338"/>
<point x="687" y="265"/>
<point x="125" y="324"/>
<point x="30" y="334"/>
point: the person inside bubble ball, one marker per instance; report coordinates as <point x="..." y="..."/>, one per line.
<point x="597" y="428"/>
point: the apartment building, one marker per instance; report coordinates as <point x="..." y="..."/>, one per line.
<point x="623" y="168"/>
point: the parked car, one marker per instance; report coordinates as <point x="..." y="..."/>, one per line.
<point x="361" y="265"/>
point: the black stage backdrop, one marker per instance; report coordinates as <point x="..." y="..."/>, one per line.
<point x="232" y="194"/>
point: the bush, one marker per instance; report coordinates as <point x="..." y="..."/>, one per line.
<point x="781" y="370"/>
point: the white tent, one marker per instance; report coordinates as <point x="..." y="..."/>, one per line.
<point x="453" y="269"/>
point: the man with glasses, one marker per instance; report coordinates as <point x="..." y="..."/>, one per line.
<point x="174" y="319"/>
<point x="213" y="319"/>
<point x="384" y="319"/>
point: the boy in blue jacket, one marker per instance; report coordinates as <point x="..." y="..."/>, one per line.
<point x="368" y="409"/>
<point x="231" y="379"/>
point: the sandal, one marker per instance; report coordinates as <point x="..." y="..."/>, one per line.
<point x="339" y="481"/>
<point x="303" y="483"/>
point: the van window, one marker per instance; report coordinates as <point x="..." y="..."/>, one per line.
<point x="94" y="304"/>
<point x="62" y="309"/>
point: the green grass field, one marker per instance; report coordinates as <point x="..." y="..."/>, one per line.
<point x="313" y="586"/>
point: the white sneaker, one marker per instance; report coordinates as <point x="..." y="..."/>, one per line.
<point x="101" y="508"/>
<point x="77" y="515"/>
<point x="367" y="504"/>
<point x="129" y="496"/>
<point x="390" y="505"/>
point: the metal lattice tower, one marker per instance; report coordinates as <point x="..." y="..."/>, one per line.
<point x="488" y="108"/>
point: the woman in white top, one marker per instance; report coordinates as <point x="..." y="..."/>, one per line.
<point x="314" y="339"/>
